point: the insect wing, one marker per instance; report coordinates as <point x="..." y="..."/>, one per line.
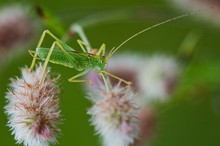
<point x="58" y="57"/>
<point x="65" y="46"/>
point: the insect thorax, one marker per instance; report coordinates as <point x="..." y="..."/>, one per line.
<point x="98" y="62"/>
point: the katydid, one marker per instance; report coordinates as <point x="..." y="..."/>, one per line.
<point x="61" y="53"/>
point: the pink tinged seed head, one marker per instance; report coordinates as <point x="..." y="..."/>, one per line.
<point x="148" y="123"/>
<point x="125" y="127"/>
<point x="15" y="26"/>
<point x="33" y="109"/>
<point x="158" y="77"/>
<point x="114" y="115"/>
<point x="208" y="9"/>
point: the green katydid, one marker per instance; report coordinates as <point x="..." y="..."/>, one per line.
<point x="61" y="53"/>
<point x="67" y="56"/>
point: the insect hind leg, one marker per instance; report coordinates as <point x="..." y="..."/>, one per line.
<point x="85" y="49"/>
<point x="56" y="43"/>
<point x="101" y="50"/>
<point x="39" y="45"/>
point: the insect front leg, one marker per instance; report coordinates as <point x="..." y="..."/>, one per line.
<point x="114" y="76"/>
<point x="78" y="29"/>
<point x="82" y="44"/>
<point x="73" y="79"/>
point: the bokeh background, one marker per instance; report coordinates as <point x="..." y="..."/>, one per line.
<point x="190" y="118"/>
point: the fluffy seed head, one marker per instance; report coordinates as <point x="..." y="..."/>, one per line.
<point x="209" y="9"/>
<point x="15" y="26"/>
<point x="114" y="115"/>
<point x="158" y="77"/>
<point x="33" y="109"/>
<point x="147" y="127"/>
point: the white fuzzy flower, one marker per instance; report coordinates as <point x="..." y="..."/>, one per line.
<point x="208" y="9"/>
<point x="158" y="77"/>
<point x="114" y="116"/>
<point x="148" y="122"/>
<point x="33" y="109"/>
<point x="15" y="26"/>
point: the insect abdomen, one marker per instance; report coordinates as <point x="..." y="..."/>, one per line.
<point x="59" y="57"/>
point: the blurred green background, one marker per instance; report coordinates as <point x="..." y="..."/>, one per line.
<point x="191" y="118"/>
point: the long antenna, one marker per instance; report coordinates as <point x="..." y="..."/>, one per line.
<point x="148" y="28"/>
